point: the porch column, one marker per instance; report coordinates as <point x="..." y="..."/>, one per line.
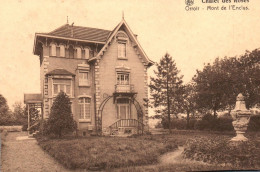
<point x="28" y="107"/>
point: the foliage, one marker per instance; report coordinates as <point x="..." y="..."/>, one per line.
<point x="5" y="114"/>
<point x="209" y="122"/>
<point x="179" y="124"/>
<point x="219" y="150"/>
<point x="20" y="115"/>
<point x="107" y="152"/>
<point x="61" y="120"/>
<point x="166" y="87"/>
<point x="218" y="84"/>
<point x="189" y="103"/>
<point x="254" y="123"/>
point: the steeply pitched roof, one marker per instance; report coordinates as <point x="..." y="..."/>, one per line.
<point x="59" y="72"/>
<point x="146" y="61"/>
<point x="80" y="32"/>
<point x="32" y="98"/>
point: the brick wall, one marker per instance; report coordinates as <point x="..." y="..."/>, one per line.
<point x="107" y="78"/>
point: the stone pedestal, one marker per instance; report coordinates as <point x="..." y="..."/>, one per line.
<point x="241" y="117"/>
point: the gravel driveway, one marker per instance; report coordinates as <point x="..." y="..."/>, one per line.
<point x="26" y="156"/>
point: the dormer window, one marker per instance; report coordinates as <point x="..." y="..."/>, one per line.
<point x="52" y="49"/>
<point x="122" y="50"/>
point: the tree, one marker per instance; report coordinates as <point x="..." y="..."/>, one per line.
<point x="166" y="88"/>
<point x="218" y="84"/>
<point x="189" y="103"/>
<point x="5" y="114"/>
<point x="19" y="114"/>
<point x="61" y="119"/>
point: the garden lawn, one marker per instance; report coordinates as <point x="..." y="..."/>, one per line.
<point x="139" y="153"/>
<point x="106" y="152"/>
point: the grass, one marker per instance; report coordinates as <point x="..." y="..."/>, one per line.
<point x="139" y="153"/>
<point x="106" y="152"/>
<point x="220" y="150"/>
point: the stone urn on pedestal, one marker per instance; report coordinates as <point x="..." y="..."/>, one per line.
<point x="241" y="116"/>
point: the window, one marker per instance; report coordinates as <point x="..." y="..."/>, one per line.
<point x="58" y="51"/>
<point x="61" y="85"/>
<point x="71" y="52"/>
<point x="86" y="53"/>
<point x="53" y="50"/>
<point x="123" y="108"/>
<point x="123" y="79"/>
<point x="84" y="106"/>
<point x="62" y="51"/>
<point x="78" y="53"/>
<point x="83" y="78"/>
<point x="121" y="50"/>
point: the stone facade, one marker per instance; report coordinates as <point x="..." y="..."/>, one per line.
<point x="63" y="58"/>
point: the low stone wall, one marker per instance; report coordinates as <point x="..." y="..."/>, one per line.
<point x="11" y="128"/>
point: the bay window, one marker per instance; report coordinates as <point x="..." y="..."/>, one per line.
<point x="62" y="85"/>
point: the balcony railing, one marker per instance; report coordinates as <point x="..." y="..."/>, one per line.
<point x="124" y="88"/>
<point x="84" y="82"/>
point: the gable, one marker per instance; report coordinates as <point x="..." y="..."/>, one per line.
<point x="122" y="26"/>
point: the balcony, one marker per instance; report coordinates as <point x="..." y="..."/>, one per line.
<point x="124" y="88"/>
<point x="84" y="83"/>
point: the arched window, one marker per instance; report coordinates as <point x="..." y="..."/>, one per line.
<point x="86" y="53"/>
<point x="84" y="106"/>
<point x="71" y="51"/>
<point x="62" y="51"/>
<point x="52" y="49"/>
<point x="78" y="49"/>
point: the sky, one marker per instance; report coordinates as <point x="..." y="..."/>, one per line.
<point x="192" y="38"/>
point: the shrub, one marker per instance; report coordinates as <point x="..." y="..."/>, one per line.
<point x="209" y="122"/>
<point x="61" y="120"/>
<point x="180" y="124"/>
<point x="219" y="151"/>
<point x="254" y="123"/>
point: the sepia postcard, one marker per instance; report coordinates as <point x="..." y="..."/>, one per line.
<point x="133" y="85"/>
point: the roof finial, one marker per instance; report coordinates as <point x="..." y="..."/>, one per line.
<point x="123" y="17"/>
<point x="67" y="20"/>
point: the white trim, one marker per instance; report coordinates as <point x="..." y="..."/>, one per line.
<point x="73" y="39"/>
<point x="84" y="120"/>
<point x="82" y="96"/>
<point x="84" y="104"/>
<point x="131" y="34"/>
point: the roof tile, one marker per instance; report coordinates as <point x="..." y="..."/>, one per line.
<point x="59" y="72"/>
<point x="80" y="32"/>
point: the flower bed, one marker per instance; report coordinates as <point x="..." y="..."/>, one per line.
<point x="220" y="150"/>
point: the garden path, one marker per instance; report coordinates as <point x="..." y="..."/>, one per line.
<point x="176" y="157"/>
<point x="24" y="155"/>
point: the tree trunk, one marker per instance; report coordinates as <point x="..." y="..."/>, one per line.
<point x="188" y="120"/>
<point x="215" y="113"/>
<point x="168" y="100"/>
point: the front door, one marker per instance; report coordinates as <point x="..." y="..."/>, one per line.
<point x="123" y="108"/>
